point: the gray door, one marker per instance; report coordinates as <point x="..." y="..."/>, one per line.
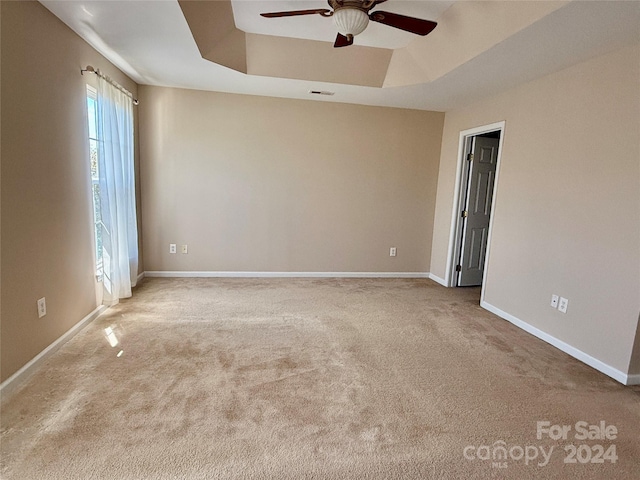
<point x="481" y="177"/>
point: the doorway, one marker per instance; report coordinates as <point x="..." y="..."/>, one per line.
<point x="479" y="156"/>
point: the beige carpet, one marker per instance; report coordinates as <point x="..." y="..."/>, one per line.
<point x="304" y="378"/>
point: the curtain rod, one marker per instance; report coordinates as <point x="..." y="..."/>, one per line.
<point x="89" y="68"/>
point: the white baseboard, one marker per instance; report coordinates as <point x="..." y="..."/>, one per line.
<point x="565" y="347"/>
<point x="288" y="274"/>
<point x="15" y="380"/>
<point x="437" y="279"/>
<point x="140" y="277"/>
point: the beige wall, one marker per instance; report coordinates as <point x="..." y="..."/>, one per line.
<point x="46" y="205"/>
<point x="264" y="184"/>
<point x="566" y="219"/>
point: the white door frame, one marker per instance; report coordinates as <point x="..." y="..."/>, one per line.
<point x="453" y="252"/>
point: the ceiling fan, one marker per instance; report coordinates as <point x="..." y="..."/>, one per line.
<point x="352" y="17"/>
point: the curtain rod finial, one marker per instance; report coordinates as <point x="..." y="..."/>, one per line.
<point x="88" y="68"/>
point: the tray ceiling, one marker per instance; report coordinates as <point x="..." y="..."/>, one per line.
<point x="478" y="48"/>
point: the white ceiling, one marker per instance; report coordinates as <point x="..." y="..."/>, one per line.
<point x="151" y="42"/>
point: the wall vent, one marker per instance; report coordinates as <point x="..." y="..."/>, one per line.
<point x="321" y="92"/>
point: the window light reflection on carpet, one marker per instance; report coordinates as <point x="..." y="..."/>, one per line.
<point x="111" y="336"/>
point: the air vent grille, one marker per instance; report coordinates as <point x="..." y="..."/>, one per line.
<point x="321" y="92"/>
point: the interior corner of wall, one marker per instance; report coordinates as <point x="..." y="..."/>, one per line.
<point x="634" y="361"/>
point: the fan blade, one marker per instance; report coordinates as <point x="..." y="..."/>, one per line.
<point x="408" y="24"/>
<point x="322" y="11"/>
<point x="342" y="41"/>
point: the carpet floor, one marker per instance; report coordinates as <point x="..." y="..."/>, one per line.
<point x="314" y="378"/>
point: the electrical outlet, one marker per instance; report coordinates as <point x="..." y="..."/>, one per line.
<point x="172" y="248"/>
<point x="42" y="307"/>
<point x="554" y="301"/>
<point x="184" y="249"/>
<point x="392" y="252"/>
<point x="564" y="303"/>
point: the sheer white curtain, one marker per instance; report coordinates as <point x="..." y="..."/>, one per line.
<point x="117" y="192"/>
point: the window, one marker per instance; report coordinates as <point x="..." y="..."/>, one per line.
<point x="112" y="175"/>
<point x="92" y="110"/>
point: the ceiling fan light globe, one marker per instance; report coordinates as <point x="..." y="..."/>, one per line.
<point x="350" y="21"/>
